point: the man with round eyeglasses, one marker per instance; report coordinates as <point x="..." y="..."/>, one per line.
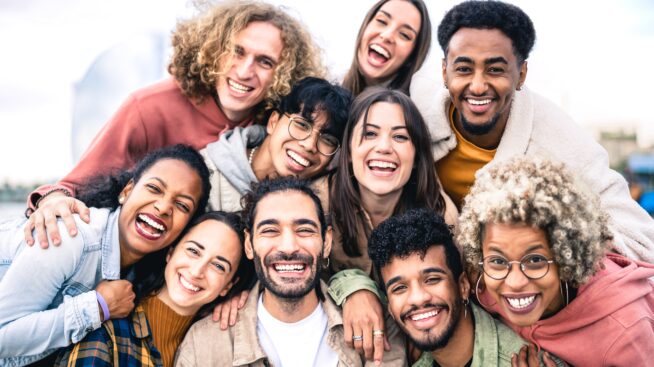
<point x="302" y="134"/>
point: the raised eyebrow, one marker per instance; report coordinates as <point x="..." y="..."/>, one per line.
<point x="496" y="60"/>
<point x="266" y="222"/>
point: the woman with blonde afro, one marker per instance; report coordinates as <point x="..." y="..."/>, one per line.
<point x="229" y="64"/>
<point x="566" y="293"/>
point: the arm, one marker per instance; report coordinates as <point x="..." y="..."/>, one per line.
<point x="29" y="287"/>
<point x="346" y="282"/>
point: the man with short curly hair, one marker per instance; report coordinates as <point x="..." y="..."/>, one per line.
<point x="229" y="63"/>
<point x="485" y="115"/>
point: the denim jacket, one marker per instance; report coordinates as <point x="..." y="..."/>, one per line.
<point x="47" y="296"/>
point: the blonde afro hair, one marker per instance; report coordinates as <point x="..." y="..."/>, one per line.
<point x="544" y="195"/>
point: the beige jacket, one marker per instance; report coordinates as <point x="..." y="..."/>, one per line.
<point x="206" y="344"/>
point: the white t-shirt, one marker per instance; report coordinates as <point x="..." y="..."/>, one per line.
<point x="298" y="344"/>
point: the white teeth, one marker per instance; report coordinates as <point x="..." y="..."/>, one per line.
<point x="521" y="302"/>
<point x="380" y="50"/>
<point x="296" y="157"/>
<point x="479" y="103"/>
<point x="188" y="285"/>
<point x="151" y="223"/>
<point x="238" y="87"/>
<point x="425" y="315"/>
<point x="290" y="268"/>
<point x="382" y="164"/>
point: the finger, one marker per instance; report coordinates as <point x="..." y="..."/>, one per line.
<point x="29" y="226"/>
<point x="522" y="357"/>
<point x="368" y="344"/>
<point x="243" y="298"/>
<point x="547" y="359"/>
<point x="378" y="346"/>
<point x="39" y="227"/>
<point x="357" y="339"/>
<point x="514" y="360"/>
<point x="69" y="221"/>
<point x="224" y="316"/>
<point x="215" y="316"/>
<point x="51" y="228"/>
<point x="387" y="344"/>
<point x="347" y="334"/>
<point x="233" y="311"/>
<point x="83" y="210"/>
<point x="533" y="356"/>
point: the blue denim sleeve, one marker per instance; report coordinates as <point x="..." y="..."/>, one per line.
<point x="30" y="320"/>
<point x="348" y="281"/>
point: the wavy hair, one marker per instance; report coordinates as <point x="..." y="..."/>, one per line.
<point x="544" y="195"/>
<point x="354" y="80"/>
<point x="203" y="47"/>
<point x="422" y="189"/>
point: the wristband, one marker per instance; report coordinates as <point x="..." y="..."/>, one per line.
<point x="103" y="305"/>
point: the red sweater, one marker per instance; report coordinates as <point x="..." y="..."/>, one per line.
<point x="153" y="117"/>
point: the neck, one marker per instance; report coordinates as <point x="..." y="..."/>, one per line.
<point x="290" y="310"/>
<point x="460" y="347"/>
<point x="379" y="207"/>
<point x="128" y="258"/>
<point x="164" y="296"/>
<point x="489" y="140"/>
<point x="233" y="116"/>
<point x="262" y="164"/>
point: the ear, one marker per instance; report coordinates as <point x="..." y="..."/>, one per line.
<point x="272" y="122"/>
<point x="228" y="286"/>
<point x="170" y="253"/>
<point x="523" y="74"/>
<point x="464" y="285"/>
<point x="249" y="251"/>
<point x="124" y="193"/>
<point x="327" y="247"/>
<point x="444" y="69"/>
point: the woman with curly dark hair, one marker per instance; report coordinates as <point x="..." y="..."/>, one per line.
<point x="566" y="293"/>
<point x="50" y="298"/>
<point x="229" y="64"/>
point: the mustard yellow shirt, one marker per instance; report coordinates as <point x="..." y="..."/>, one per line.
<point x="457" y="169"/>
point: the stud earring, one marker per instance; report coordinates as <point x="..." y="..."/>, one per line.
<point x="121" y="199"/>
<point x="445" y="85"/>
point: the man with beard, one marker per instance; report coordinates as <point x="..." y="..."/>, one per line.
<point x="485" y="114"/>
<point x="428" y="295"/>
<point x="287" y="321"/>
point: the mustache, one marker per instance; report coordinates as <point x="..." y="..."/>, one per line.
<point x="413" y="309"/>
<point x="280" y="256"/>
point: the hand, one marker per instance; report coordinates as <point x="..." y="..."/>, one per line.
<point x="362" y="314"/>
<point x="528" y="357"/>
<point x="44" y="219"/>
<point x="119" y="297"/>
<point x="227" y="311"/>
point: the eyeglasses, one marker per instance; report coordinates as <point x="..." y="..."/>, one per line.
<point x="533" y="266"/>
<point x="301" y="129"/>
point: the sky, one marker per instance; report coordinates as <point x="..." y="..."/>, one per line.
<point x="592" y="58"/>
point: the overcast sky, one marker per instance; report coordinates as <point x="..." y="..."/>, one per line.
<point x="592" y="58"/>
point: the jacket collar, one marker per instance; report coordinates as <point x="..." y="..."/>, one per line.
<point x="111" y="248"/>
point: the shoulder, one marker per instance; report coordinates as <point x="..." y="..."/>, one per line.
<point x="508" y="342"/>
<point x="204" y="330"/>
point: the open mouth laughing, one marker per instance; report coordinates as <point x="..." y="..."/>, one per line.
<point x="238" y="87"/>
<point x="521" y="304"/>
<point x="382" y="168"/>
<point x="189" y="286"/>
<point x="425" y="317"/>
<point x="378" y="54"/>
<point x="149" y="226"/>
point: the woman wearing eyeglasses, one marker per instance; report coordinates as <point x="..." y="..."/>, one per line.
<point x="302" y="136"/>
<point x="540" y="242"/>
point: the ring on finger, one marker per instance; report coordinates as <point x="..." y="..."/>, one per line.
<point x="357" y="338"/>
<point x="378" y="333"/>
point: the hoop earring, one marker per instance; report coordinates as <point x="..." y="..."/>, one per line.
<point x="325" y="265"/>
<point x="466" y="302"/>
<point x="477" y="292"/>
<point x="567" y="296"/>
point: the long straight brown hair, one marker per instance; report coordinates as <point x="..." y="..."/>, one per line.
<point x="421" y="191"/>
<point x="354" y="80"/>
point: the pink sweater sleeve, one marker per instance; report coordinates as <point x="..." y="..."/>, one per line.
<point x="118" y="145"/>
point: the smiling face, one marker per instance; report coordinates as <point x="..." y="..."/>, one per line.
<point x="286" y="244"/>
<point x="424" y="298"/>
<point x="382" y="151"/>
<point x="522" y="301"/>
<point x="157" y="208"/>
<point x="201" y="267"/>
<point x="481" y="72"/>
<point x="292" y="157"/>
<point x="388" y="40"/>
<point x="257" y="51"/>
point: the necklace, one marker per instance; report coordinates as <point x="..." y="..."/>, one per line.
<point x="252" y="155"/>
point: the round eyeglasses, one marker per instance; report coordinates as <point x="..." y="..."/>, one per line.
<point x="533" y="266"/>
<point x="301" y="129"/>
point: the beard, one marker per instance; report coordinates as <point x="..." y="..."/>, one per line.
<point x="479" y="129"/>
<point x="294" y="288"/>
<point x="430" y="342"/>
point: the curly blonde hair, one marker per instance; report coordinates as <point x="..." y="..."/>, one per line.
<point x="542" y="194"/>
<point x="203" y="46"/>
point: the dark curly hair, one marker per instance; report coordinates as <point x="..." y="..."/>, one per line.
<point x="149" y="271"/>
<point x="262" y="189"/>
<point x="102" y="191"/>
<point x="509" y="19"/>
<point x="412" y="232"/>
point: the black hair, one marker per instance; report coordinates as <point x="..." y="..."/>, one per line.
<point x="283" y="184"/>
<point x="102" y="191"/>
<point x="422" y="189"/>
<point x="412" y="232"/>
<point x="149" y="271"/>
<point x="311" y="95"/>
<point x="509" y="19"/>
